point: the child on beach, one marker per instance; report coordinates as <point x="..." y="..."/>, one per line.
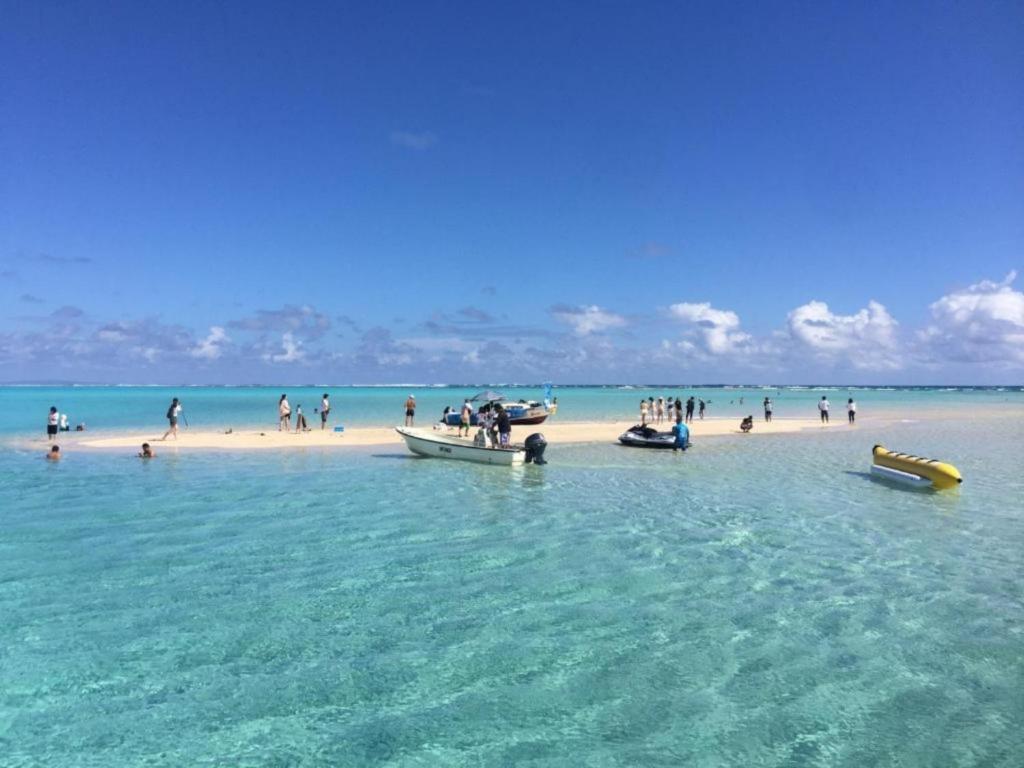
<point x="300" y="420"/>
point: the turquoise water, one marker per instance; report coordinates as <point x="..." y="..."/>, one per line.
<point x="757" y="601"/>
<point x="24" y="409"/>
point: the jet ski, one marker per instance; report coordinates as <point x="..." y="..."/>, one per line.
<point x="641" y="436"/>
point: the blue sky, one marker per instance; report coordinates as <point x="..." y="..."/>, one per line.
<point x="583" y="192"/>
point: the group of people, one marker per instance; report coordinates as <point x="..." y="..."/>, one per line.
<point x="824" y="406"/>
<point x="58" y="422"/>
<point x="666" y="409"/>
<point x="284" y="414"/>
<point x="494" y="426"/>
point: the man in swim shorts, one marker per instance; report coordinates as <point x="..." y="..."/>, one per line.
<point x="465" y="417"/>
<point x="410" y="410"/>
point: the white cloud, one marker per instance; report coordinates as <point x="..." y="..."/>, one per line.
<point x="717" y="328"/>
<point x="291" y="351"/>
<point x="587" y="319"/>
<point x="866" y="339"/>
<point x="210" y="347"/>
<point x="981" y="323"/>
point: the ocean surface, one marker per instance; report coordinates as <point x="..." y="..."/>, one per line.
<point x="757" y="601"/>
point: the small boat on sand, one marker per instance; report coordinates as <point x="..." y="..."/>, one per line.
<point x="523" y="412"/>
<point x="443" y="446"/>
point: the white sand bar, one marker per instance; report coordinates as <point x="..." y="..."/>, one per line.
<point x="555" y="432"/>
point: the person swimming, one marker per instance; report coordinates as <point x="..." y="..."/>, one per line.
<point x="54" y="453"/>
<point x="147" y="452"/>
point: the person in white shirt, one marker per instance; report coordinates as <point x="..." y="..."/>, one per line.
<point x="823" y="406"/>
<point x="325" y="411"/>
<point x="64" y="423"/>
<point x="851" y="411"/>
<point x="51" y="423"/>
<point x="284" y="415"/>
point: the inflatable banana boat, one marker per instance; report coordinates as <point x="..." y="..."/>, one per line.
<point x="913" y="470"/>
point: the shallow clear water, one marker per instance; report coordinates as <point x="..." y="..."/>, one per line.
<point x="756" y="601"/>
<point x="24" y="409"/>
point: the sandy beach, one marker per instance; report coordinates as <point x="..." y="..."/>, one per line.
<point x="556" y="432"/>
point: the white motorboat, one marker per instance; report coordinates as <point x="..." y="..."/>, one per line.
<point x="427" y="442"/>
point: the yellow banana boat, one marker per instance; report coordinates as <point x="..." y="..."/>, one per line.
<point x="940" y="474"/>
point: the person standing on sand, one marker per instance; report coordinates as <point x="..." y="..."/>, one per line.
<point x="689" y="409"/>
<point x="284" y="415"/>
<point x="300" y="419"/>
<point x="851" y="411"/>
<point x="465" y="417"/>
<point x="823" y="406"/>
<point x="767" y="409"/>
<point x="659" y="410"/>
<point x="671" y="410"/>
<point x="410" y="410"/>
<point x="703" y="405"/>
<point x="172" y="419"/>
<point x="504" y="427"/>
<point x="643" y="412"/>
<point x="51" y="423"/>
<point x="325" y="411"/>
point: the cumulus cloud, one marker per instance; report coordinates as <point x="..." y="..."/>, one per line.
<point x="983" y="323"/>
<point x="718" y="329"/>
<point x="291" y="351"/>
<point x="210" y="348"/>
<point x="866" y="339"/>
<point x="585" y="320"/>
<point x="413" y="140"/>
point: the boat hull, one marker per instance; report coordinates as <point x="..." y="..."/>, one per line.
<point x="433" y="445"/>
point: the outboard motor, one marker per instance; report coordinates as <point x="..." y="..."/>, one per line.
<point x="535" y="445"/>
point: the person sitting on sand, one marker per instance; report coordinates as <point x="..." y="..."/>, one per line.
<point x="747" y="424"/>
<point x="147" y="452"/>
<point x="300" y="420"/>
<point x="54" y="453"/>
<point x="284" y="415"/>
